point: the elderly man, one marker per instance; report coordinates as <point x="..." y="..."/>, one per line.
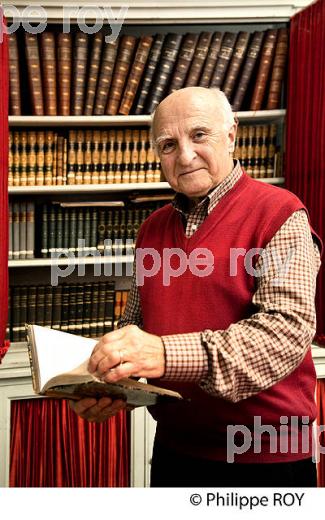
<point x="232" y="330"/>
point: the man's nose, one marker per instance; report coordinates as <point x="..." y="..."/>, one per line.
<point x="186" y="153"/>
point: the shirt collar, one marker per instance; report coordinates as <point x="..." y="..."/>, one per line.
<point x="180" y="201"/>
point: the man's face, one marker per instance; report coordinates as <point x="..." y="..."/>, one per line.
<point x="192" y="143"/>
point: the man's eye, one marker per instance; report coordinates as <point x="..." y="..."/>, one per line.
<point x="199" y="135"/>
<point x="167" y="147"/>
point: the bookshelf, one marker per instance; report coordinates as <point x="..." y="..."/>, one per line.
<point x="15" y="373"/>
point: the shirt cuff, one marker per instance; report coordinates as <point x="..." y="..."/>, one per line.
<point x="185" y="358"/>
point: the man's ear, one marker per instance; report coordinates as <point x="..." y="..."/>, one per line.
<point x="232" y="137"/>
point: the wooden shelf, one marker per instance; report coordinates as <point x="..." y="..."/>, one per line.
<point x="104" y="188"/>
<point x="170" y="11"/>
<point x="88" y="260"/>
<point x="68" y="121"/>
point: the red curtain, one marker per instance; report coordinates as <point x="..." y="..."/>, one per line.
<point x="52" y="447"/>
<point x="305" y="136"/>
<point x="305" y="145"/>
<point x="4" y="80"/>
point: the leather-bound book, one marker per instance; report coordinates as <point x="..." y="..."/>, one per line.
<point x="264" y="69"/>
<point x="121" y="70"/>
<point x="149" y="72"/>
<point x="105" y="76"/>
<point x="235" y="63"/>
<point x="224" y="57"/>
<point x="109" y="307"/>
<point x="164" y="71"/>
<point x="11" y="160"/>
<point x="80" y="157"/>
<point x="135" y="74"/>
<point x="211" y="60"/>
<point x="72" y="158"/>
<point x="184" y="60"/>
<point x="87" y="290"/>
<point x="79" y="72"/>
<point x="93" y="74"/>
<point x="40" y="159"/>
<point x="200" y="54"/>
<point x="48" y="307"/>
<point x="23" y="159"/>
<point x="252" y="54"/>
<point x="14" y="77"/>
<point x="56" y="307"/>
<point x="34" y="73"/>
<point x="31" y="158"/>
<point x="40" y="304"/>
<point x="64" y="68"/>
<point x="47" y="44"/>
<point x="48" y="158"/>
<point x="278" y="69"/>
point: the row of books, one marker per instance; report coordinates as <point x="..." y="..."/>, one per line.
<point x="84" y="74"/>
<point x="80" y="230"/>
<point x="83" y="157"/>
<point x="89" y="309"/>
<point x="257" y="150"/>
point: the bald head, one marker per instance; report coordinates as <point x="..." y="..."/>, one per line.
<point x="203" y="100"/>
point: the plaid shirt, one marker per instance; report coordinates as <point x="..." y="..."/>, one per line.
<point x="256" y="352"/>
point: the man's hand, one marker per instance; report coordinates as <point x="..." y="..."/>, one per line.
<point x="127" y="352"/>
<point x="97" y="410"/>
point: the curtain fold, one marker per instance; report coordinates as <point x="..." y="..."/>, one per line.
<point x="305" y="147"/>
<point x="4" y="81"/>
<point x="305" y="134"/>
<point x="52" y="447"/>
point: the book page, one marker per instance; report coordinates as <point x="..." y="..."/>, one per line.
<point x="59" y="352"/>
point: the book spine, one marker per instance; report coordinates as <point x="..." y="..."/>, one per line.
<point x="184" y="60"/>
<point x="164" y="71"/>
<point x="103" y="157"/>
<point x="65" y="308"/>
<point x="93" y="73"/>
<point x="40" y="158"/>
<point x="101" y="309"/>
<point x="10" y="160"/>
<point x="44" y="234"/>
<point x="72" y="309"/>
<point x="87" y="294"/>
<point x="16" y="230"/>
<point x="109" y="307"/>
<point x="23" y="159"/>
<point x="47" y="45"/>
<point x="278" y="70"/>
<point x="48" y="306"/>
<point x="23" y="312"/>
<point x="56" y="307"/>
<point x="22" y="230"/>
<point x="34" y="73"/>
<point x="223" y="60"/>
<point x="79" y="178"/>
<point x="211" y="60"/>
<point x="52" y="230"/>
<point x="31" y="158"/>
<point x="248" y="67"/>
<point x="79" y="308"/>
<point x="235" y="63"/>
<point x="95" y="157"/>
<point x="59" y="230"/>
<point x="49" y="158"/>
<point x="105" y="76"/>
<point x="72" y="160"/>
<point x="135" y="74"/>
<point x="40" y="304"/>
<point x="149" y="72"/>
<point x="264" y="69"/>
<point x="123" y="63"/>
<point x="64" y="62"/>
<point x="94" y="310"/>
<point x="16" y="159"/>
<point x="14" y="76"/>
<point x="127" y="156"/>
<point x="10" y="238"/>
<point x="79" y="72"/>
<point x="31" y="307"/>
<point x="200" y="55"/>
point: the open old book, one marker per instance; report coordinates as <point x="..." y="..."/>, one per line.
<point x="59" y="369"/>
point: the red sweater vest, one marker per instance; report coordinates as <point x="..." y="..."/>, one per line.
<point x="247" y="217"/>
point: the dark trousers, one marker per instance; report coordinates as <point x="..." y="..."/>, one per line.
<point x="172" y="469"/>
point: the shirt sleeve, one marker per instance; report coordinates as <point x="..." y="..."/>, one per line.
<point x="133" y="313"/>
<point x="255" y="353"/>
